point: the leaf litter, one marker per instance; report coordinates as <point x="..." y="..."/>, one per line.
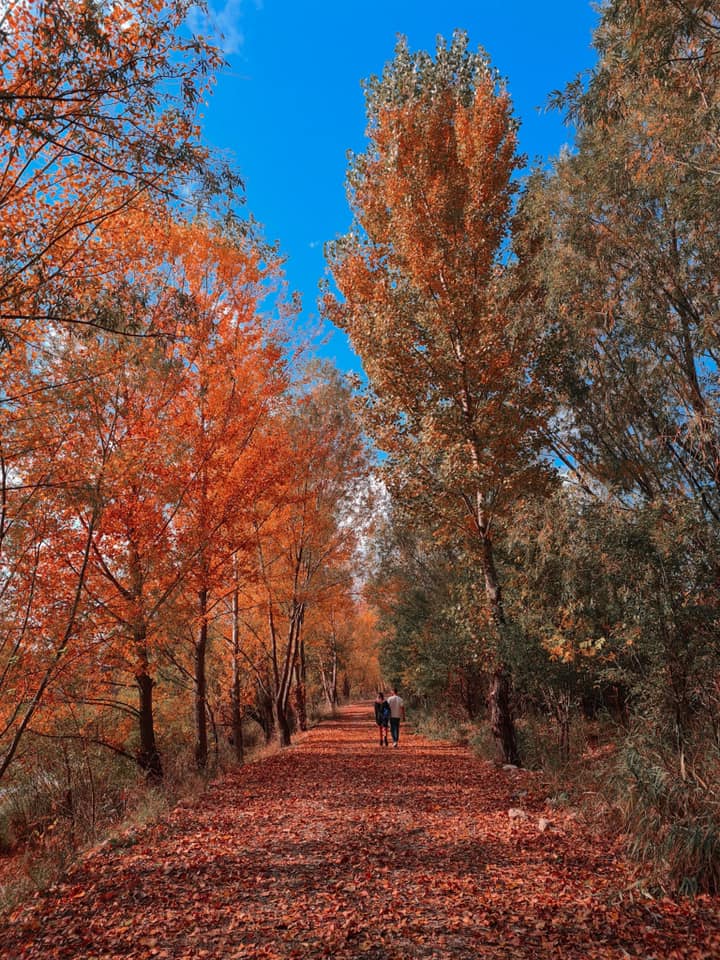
<point x="337" y="848"/>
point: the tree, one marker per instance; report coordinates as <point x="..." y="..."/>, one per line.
<point x="622" y="238"/>
<point x="617" y="252"/>
<point x="98" y="111"/>
<point x="304" y="543"/>
<point x="235" y="374"/>
<point x="68" y="405"/>
<point x="425" y="302"/>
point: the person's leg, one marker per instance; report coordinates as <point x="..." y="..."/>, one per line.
<point x="395" y="729"/>
<point x="386" y="734"/>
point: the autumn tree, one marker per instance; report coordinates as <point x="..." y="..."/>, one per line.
<point x="304" y="543"/>
<point x="98" y="124"/>
<point x="119" y="429"/>
<point x="621" y="239"/>
<point x="424" y="299"/>
<point x="60" y="425"/>
<point x="235" y="374"/>
<point x="617" y="248"/>
<point x="98" y="109"/>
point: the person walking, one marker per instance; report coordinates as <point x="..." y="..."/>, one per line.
<point x="397" y="713"/>
<point x="382" y="717"/>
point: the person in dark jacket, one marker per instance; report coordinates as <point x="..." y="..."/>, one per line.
<point x="382" y="717"/>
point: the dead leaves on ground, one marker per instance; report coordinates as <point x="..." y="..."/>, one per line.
<point x="337" y="848"/>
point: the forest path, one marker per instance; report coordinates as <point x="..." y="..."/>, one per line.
<point x="339" y="848"/>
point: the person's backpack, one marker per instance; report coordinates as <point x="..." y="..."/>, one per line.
<point x="385" y="711"/>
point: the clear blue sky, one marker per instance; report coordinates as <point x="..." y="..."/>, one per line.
<point x="290" y="106"/>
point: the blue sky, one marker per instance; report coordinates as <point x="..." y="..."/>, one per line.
<point x="289" y="106"/>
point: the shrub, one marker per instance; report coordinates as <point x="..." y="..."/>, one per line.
<point x="673" y="821"/>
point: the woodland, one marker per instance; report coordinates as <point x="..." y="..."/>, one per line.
<point x="210" y="538"/>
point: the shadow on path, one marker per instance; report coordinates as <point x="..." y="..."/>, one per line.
<point x="339" y="848"/>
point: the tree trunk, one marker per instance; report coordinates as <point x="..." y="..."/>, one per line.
<point x="282" y="723"/>
<point x="499" y="698"/>
<point x="236" y="706"/>
<point x="201" y="746"/>
<point x="329" y="679"/>
<point x="148" y="758"/>
<point x="493" y="590"/>
<point x="300" y="687"/>
<point x="334" y="677"/>
<point x="264" y="713"/>
<point x="501" y="718"/>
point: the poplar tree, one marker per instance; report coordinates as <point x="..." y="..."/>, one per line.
<point x="425" y="301"/>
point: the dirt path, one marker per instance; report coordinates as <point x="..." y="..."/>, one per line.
<point x="338" y="848"/>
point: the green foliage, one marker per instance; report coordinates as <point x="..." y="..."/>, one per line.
<point x="432" y="636"/>
<point x="620" y="244"/>
<point x="673" y="820"/>
<point x="439" y="726"/>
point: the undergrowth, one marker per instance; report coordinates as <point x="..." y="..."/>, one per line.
<point x="672" y="816"/>
<point x="668" y="810"/>
<point x="64" y="804"/>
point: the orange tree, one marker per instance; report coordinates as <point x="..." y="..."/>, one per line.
<point x="304" y="537"/>
<point x="63" y="410"/>
<point x="424" y="299"/>
<point x="98" y="109"/>
<point x="235" y="373"/>
<point x="149" y="447"/>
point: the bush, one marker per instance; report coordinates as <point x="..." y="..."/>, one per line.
<point x="439" y="727"/>
<point x="482" y="742"/>
<point x="674" y="822"/>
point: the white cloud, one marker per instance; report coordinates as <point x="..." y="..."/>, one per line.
<point x="221" y="22"/>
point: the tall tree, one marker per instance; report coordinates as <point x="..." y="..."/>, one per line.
<point x="622" y="238"/>
<point x="235" y="374"/>
<point x="426" y="305"/>
<point x="619" y="247"/>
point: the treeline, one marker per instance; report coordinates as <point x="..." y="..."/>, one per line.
<point x="542" y="356"/>
<point x="181" y="495"/>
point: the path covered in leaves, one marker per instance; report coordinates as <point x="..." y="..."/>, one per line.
<point x="338" y="848"/>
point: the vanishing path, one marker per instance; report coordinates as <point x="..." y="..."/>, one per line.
<point x="338" y="848"/>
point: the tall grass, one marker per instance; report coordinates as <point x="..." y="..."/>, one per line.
<point x="673" y="820"/>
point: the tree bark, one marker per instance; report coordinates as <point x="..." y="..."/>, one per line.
<point x="493" y="590"/>
<point x="282" y="723"/>
<point x="300" y="686"/>
<point x="501" y="718"/>
<point x="499" y="698"/>
<point x="334" y="678"/>
<point x="236" y="706"/>
<point x="201" y="746"/>
<point x="329" y="678"/>
<point x="148" y="757"/>
<point x="265" y="714"/>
